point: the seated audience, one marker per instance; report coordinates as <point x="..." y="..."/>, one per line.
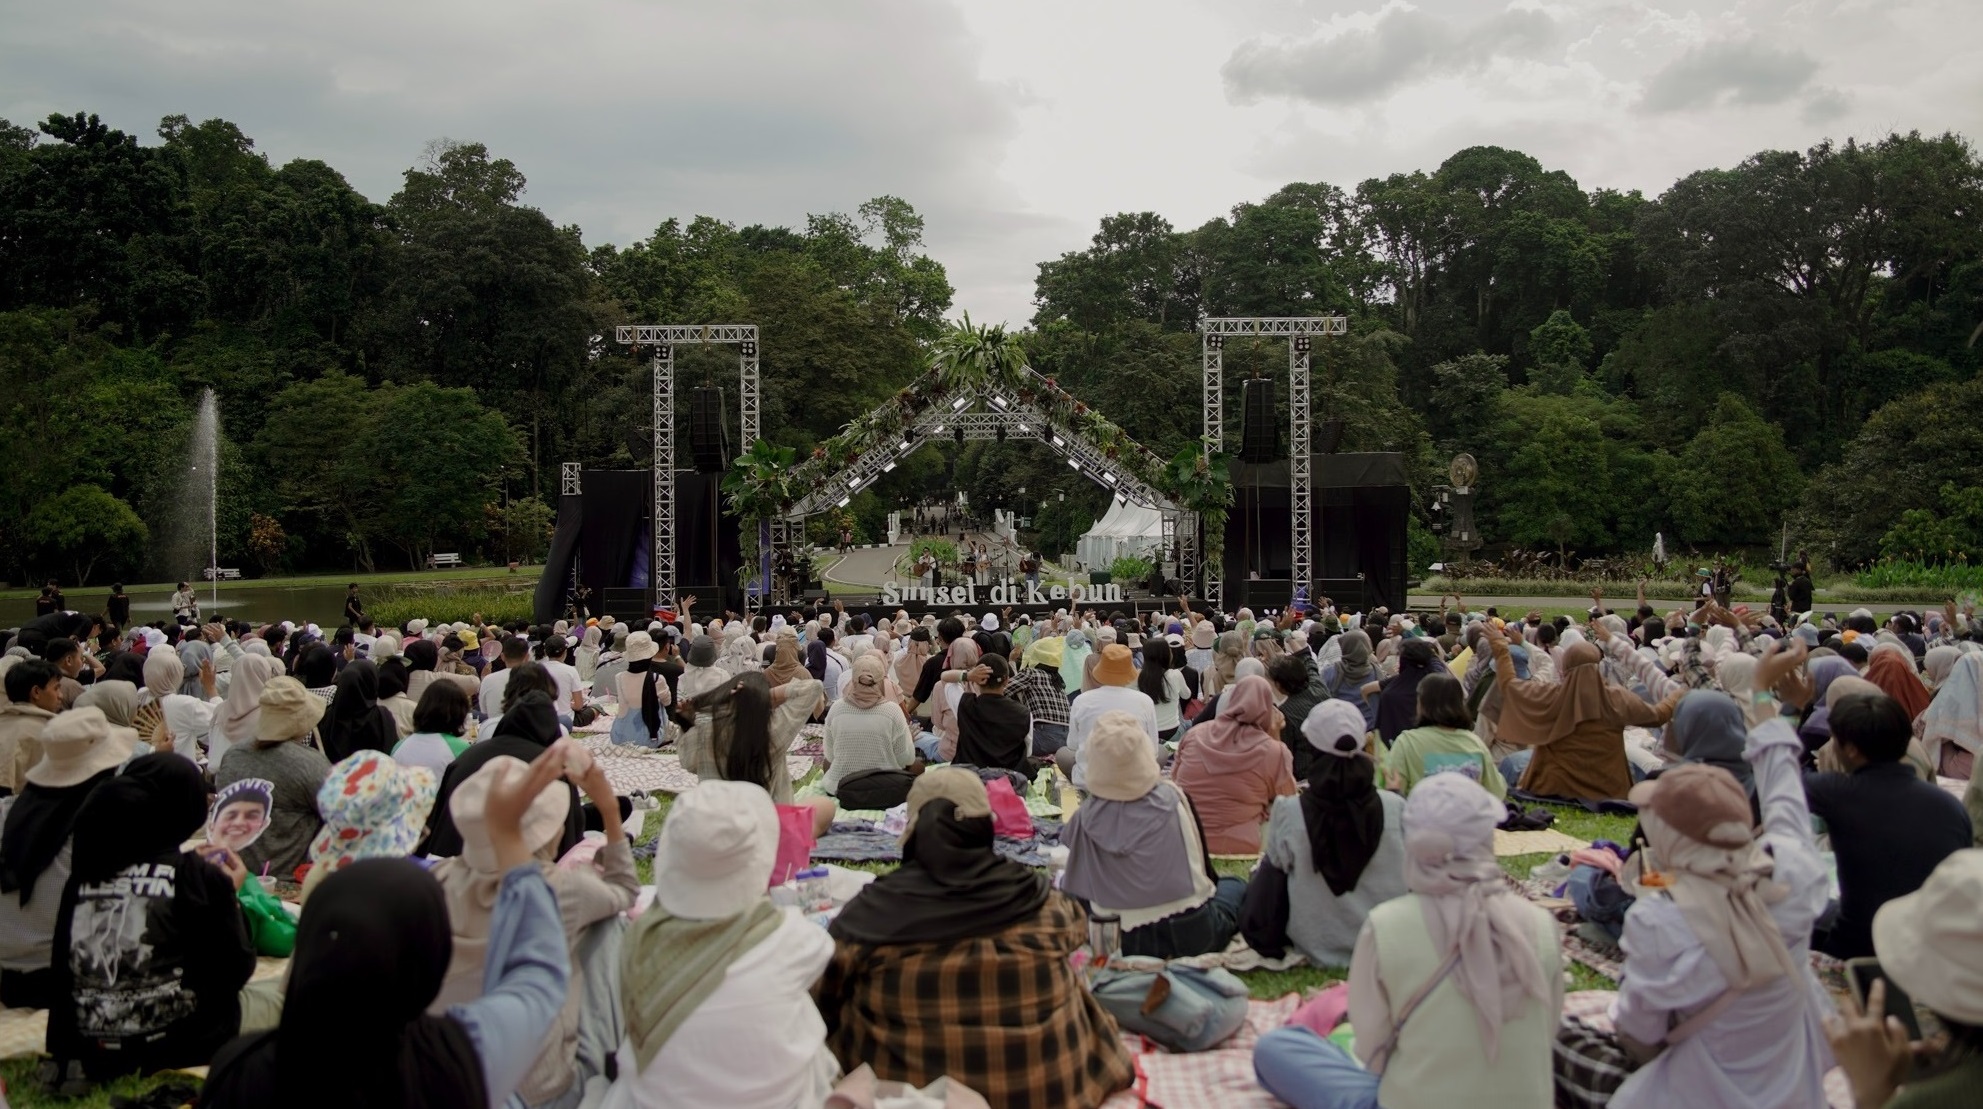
<point x="1136" y="850"/>
<point x="1115" y="675"/>
<point x="1576" y="725"/>
<point x="993" y="730"/>
<point x="34" y="696"/>
<point x="957" y="963"/>
<point x="1441" y="740"/>
<point x="281" y="754"/>
<point x="1333" y="852"/>
<point x="867" y="742"/>
<point x="529" y="724"/>
<point x="1234" y="766"/>
<point x="438" y="723"/>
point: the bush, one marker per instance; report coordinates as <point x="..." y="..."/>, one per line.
<point x="944" y="550"/>
<point x="1945" y="580"/>
<point x="497" y="604"/>
<point x="1129" y="570"/>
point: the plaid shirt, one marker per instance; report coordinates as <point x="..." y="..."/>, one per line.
<point x="1040" y="691"/>
<point x="1004" y="1014"/>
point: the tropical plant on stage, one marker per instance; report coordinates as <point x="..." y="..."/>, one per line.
<point x="1200" y="482"/>
<point x="969" y="356"/>
<point x="759" y="484"/>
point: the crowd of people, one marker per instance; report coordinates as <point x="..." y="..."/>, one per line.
<point x="466" y="926"/>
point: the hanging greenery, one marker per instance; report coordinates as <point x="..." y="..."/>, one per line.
<point x="974" y="356"/>
<point x="1200" y="481"/>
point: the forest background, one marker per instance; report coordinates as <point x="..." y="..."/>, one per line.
<point x="1790" y="342"/>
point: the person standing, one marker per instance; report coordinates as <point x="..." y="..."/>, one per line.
<point x="186" y="605"/>
<point x="117" y="606"/>
<point x="354" y="609"/>
<point x="51" y="600"/>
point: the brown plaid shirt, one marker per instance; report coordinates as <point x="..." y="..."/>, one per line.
<point x="1004" y="1014"/>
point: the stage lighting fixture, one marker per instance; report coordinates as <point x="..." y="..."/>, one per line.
<point x="1059" y="442"/>
<point x="844" y="500"/>
<point x="958" y="404"/>
<point x="1074" y="464"/>
<point x="886" y="467"/>
<point x="937" y="430"/>
<point x="1108" y="476"/>
<point x="998" y="401"/>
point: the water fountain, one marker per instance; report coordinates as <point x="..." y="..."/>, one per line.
<point x="193" y="532"/>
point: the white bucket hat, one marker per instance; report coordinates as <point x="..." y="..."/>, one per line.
<point x="1931" y="941"/>
<point x="543" y="823"/>
<point x="641" y="646"/>
<point x="716" y="850"/>
<point x="76" y="746"/>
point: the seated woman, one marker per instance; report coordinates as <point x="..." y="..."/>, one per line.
<point x="393" y="696"/>
<point x="79" y="751"/>
<point x="1442" y="741"/>
<point x="1334" y="852"/>
<point x="528" y="725"/>
<point x="1398" y="701"/>
<point x="1719" y="942"/>
<point x="1135" y="850"/>
<point x="716" y="979"/>
<point x="1576" y="725"/>
<point x="866" y="733"/>
<point x="1485" y="1032"/>
<point x="1234" y="766"/>
<point x="371" y="950"/>
<point x="438" y="721"/>
<point x="356" y="721"/>
<point x="187" y="720"/>
<point x="956" y="963"/>
<point x="642" y="690"/>
<point x="741" y="731"/>
<point x="281" y="754"/>
<point x="586" y="895"/>
<point x="167" y="992"/>
<point x="373" y="808"/>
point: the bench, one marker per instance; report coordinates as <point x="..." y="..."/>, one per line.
<point x="225" y="573"/>
<point x="438" y="561"/>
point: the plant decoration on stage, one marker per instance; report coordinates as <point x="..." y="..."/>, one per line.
<point x="970" y="358"/>
<point x="759" y="487"/>
<point x="1199" y="482"/>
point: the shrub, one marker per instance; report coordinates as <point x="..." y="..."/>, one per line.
<point x="1129" y="569"/>
<point x="1944" y="580"/>
<point x="497" y="604"/>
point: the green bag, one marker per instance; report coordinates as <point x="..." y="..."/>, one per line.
<point x="269" y="924"/>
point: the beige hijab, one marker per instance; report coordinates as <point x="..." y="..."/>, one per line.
<point x="867" y="685"/>
<point x="1724" y="893"/>
<point x="785" y="664"/>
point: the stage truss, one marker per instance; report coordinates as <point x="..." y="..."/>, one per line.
<point x="663" y="338"/>
<point x="1300" y="332"/>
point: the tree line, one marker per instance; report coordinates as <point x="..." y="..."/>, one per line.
<point x="1791" y="338"/>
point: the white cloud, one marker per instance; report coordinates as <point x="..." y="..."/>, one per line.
<point x="1748" y="72"/>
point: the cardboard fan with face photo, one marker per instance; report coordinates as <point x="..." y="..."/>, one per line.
<point x="240" y="813"/>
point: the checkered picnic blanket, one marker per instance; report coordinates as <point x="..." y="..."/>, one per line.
<point x="1218" y="1079"/>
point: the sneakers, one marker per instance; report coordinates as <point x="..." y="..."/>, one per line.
<point x="1556" y="869"/>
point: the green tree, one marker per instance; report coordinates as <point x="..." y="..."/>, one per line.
<point x="1736" y="479"/>
<point x="83" y="526"/>
<point x="1560" y="348"/>
<point x="1561" y="497"/>
<point x="1899" y="460"/>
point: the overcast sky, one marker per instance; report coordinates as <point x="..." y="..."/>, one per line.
<point x="1012" y="125"/>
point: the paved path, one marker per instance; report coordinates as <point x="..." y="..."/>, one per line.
<point x="871" y="568"/>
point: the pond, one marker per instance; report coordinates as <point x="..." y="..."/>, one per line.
<point x="255" y="602"/>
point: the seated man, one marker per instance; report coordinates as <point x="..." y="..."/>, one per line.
<point x="1889" y="829"/>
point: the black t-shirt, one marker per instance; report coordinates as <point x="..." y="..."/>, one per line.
<point x="932" y="674"/>
<point x="992" y="731"/>
<point x="671" y="672"/>
<point x="118" y="608"/>
<point x="1889" y="831"/>
<point x="1800" y="593"/>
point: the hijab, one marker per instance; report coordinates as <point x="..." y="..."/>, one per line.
<point x="1397" y="704"/>
<point x="125" y="666"/>
<point x="1937" y="663"/>
<point x="163" y="674"/>
<point x="865" y="686"/>
<point x="1535" y="712"/>
<point x="1245" y="717"/>
<point x="1340" y="808"/>
<point x="1354" y="669"/>
<point x="355" y="721"/>
<point x="785" y="664"/>
<point x="951" y="885"/>
<point x="371" y="951"/>
<point x="243" y="706"/>
<point x="142" y="814"/>
<point x="1824" y="671"/>
<point x="1893" y="671"/>
<point x="1724" y="893"/>
<point x="1956" y="714"/>
<point x="1229" y="649"/>
<point x="192" y="653"/>
<point x="909" y="668"/>
<point x="117" y="700"/>
<point x="1073" y="660"/>
<point x="1469" y="905"/>
<point x="1708" y="727"/>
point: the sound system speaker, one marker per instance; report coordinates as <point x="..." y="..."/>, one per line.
<point x="628" y="606"/>
<point x="818" y="597"/>
<point x="709" y="442"/>
<point x="1260" y="439"/>
<point x="1330" y="437"/>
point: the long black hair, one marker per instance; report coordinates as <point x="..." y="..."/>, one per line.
<point x="1154" y="679"/>
<point x="1442" y="703"/>
<point x="740" y="726"/>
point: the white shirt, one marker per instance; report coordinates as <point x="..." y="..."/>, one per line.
<point x="836" y="672"/>
<point x="1167" y="713"/>
<point x="489" y="698"/>
<point x="756" y="1042"/>
<point x="1089" y="706"/>
<point x="567" y="679"/>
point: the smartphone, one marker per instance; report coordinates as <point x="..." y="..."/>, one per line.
<point x="1861" y="973"/>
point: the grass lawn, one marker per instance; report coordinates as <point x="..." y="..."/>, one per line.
<point x="25" y="1092"/>
<point x="340" y="579"/>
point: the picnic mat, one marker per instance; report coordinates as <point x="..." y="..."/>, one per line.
<point x="25" y="1031"/>
<point x="1507" y="844"/>
<point x="632" y="768"/>
<point x="862" y="842"/>
<point x="1218" y="1079"/>
<point x="1593" y="1007"/>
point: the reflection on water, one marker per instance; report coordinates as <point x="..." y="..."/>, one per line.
<point x="319" y="604"/>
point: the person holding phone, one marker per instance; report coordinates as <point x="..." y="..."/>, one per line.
<point x="1927" y="943"/>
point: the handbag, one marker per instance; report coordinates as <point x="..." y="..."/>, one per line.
<point x="1009" y="815"/>
<point x="795" y="843"/>
<point x="1181" y="1008"/>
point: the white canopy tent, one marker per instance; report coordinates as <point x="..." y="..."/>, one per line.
<point x="1129" y="530"/>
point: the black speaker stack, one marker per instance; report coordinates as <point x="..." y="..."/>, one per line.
<point x="709" y="442"/>
<point x="1260" y="439"/>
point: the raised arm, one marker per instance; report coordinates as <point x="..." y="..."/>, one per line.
<point x="1619" y="649"/>
<point x="1773" y="747"/>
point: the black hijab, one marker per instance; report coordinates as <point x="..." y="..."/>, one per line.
<point x="650" y="696"/>
<point x="531" y="718"/>
<point x="371" y="951"/>
<point x="1344" y="818"/>
<point x="526" y="728"/>
<point x="140" y="815"/>
<point x="1397" y="704"/>
<point x="316" y="667"/>
<point x="37" y="826"/>
<point x="951" y="886"/>
<point x="355" y="721"/>
<point x="125" y="666"/>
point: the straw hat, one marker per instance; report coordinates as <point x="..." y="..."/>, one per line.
<point x="1931" y="941"/>
<point x="1119" y="761"/>
<point x="76" y="746"/>
<point x="288" y="710"/>
<point x="716" y="851"/>
<point x="543" y="823"/>
<point x="1116" y="668"/>
<point x="641" y="647"/>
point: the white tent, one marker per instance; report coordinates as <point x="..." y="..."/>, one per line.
<point x="1129" y="530"/>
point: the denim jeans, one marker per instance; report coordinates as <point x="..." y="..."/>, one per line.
<point x="1308" y="1072"/>
<point x="1207" y="928"/>
<point x="929" y="746"/>
<point x="1048" y="738"/>
<point x="1599" y="899"/>
<point x="1515" y="765"/>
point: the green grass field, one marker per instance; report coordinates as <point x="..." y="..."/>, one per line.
<point x="300" y="581"/>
